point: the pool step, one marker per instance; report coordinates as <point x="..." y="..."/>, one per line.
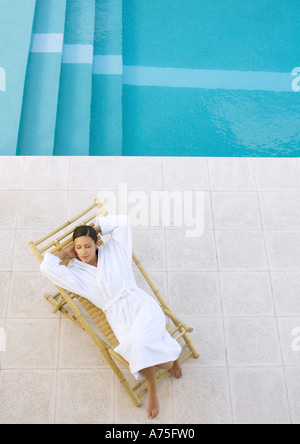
<point x="37" y="124"/>
<point x="15" y="31"/>
<point x="74" y="103"/>
<point x="72" y="100"/>
<point x="107" y="80"/>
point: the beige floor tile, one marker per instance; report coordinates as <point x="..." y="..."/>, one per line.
<point x="4" y="294"/>
<point x="9" y="201"/>
<point x="246" y="293"/>
<point x="140" y="173"/>
<point x="286" y="287"/>
<point x="80" y="200"/>
<point x="208" y="212"/>
<point x="208" y="338"/>
<point x="201" y="396"/>
<point x="185" y="173"/>
<point x="84" y="397"/>
<point x="159" y="278"/>
<point x="226" y="206"/>
<point x="23" y="257"/>
<point x="144" y="207"/>
<point x="26" y="297"/>
<point x="194" y="293"/>
<point x="283" y="249"/>
<point x="252" y="341"/>
<point x="11" y="168"/>
<point x="147" y="246"/>
<point x="92" y="173"/>
<point x="50" y="173"/>
<point x="7" y="240"/>
<point x="276" y="174"/>
<point x="190" y="254"/>
<point x="231" y="174"/>
<point x="289" y="332"/>
<point x="293" y="387"/>
<point x="241" y="250"/>
<point x="42" y="209"/>
<point x="174" y="209"/>
<point x="280" y="210"/>
<point x="31" y="344"/>
<point x="27" y="397"/>
<point x="2" y="341"/>
<point x="77" y="350"/>
<point x="259" y="396"/>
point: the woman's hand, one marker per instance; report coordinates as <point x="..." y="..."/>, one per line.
<point x="98" y="229"/>
<point x="71" y="251"/>
<point x="68" y="252"/>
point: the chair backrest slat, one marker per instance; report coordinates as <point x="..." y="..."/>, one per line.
<point x="68" y="223"/>
<point x="56" y="242"/>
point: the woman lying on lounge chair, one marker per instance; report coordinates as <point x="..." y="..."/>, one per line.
<point x="105" y="277"/>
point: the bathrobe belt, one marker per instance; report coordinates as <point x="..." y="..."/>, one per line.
<point x="124" y="292"/>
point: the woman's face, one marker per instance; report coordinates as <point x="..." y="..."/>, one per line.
<point x="86" y="248"/>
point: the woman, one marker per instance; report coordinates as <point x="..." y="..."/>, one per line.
<point x="105" y="277"/>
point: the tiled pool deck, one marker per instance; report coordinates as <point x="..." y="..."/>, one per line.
<point x="238" y="285"/>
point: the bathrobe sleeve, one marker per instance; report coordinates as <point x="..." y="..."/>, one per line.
<point x="62" y="275"/>
<point x="120" y="229"/>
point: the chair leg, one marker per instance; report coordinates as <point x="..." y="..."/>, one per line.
<point x="190" y="345"/>
<point x="121" y="378"/>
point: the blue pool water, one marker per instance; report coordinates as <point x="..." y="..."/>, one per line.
<point x="151" y="78"/>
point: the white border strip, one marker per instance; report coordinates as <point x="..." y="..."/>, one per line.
<point x="109" y="64"/>
<point x="77" y="54"/>
<point x="207" y="79"/>
<point x="164" y="77"/>
<point x="49" y="43"/>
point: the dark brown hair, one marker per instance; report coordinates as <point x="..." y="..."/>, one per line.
<point x="85" y="230"/>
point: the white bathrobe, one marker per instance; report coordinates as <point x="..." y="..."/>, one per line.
<point x="136" y="318"/>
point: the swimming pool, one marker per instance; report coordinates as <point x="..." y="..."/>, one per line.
<point x="153" y="78"/>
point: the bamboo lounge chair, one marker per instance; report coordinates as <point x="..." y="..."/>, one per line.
<point x="92" y="319"/>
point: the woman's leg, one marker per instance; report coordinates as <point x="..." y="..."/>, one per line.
<point x="166" y="365"/>
<point x="174" y="368"/>
<point x="149" y="373"/>
<point x="153" y="403"/>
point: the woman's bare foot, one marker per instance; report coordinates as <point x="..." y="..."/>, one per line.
<point x="176" y="370"/>
<point x="153" y="405"/>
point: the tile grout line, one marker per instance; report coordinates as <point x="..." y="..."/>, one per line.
<point x="114" y="395"/>
<point x="273" y="301"/>
<point x="14" y="248"/>
<point x="11" y="266"/>
<point x="221" y="300"/>
<point x="57" y="370"/>
<point x="167" y="279"/>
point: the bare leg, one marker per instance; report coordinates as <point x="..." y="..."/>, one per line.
<point x="153" y="403"/>
<point x="176" y="369"/>
<point x="166" y="365"/>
